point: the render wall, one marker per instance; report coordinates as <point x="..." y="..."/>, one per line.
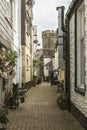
<point x="26" y="65"/>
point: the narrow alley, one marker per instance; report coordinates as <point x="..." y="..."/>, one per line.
<point x="40" y="112"/>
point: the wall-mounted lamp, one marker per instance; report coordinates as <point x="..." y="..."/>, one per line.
<point x="35" y="41"/>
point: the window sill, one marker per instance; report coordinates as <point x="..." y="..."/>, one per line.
<point x="80" y="91"/>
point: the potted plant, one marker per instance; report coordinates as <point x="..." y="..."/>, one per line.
<point x="22" y="95"/>
<point x="3" y="116"/>
<point x="62" y="101"/>
<point x="12" y="100"/>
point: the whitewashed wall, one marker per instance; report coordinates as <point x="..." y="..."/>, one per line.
<point x="17" y="38"/>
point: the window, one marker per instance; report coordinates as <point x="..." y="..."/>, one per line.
<point x="79" y="45"/>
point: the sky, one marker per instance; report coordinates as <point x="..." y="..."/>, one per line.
<point x="46" y="16"/>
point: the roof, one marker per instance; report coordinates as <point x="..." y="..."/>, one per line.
<point x="74" y="4"/>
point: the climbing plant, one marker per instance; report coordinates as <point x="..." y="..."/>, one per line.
<point x="7" y="63"/>
<point x="36" y="62"/>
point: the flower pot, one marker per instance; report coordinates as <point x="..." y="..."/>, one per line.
<point x="2" y="126"/>
<point x="22" y="99"/>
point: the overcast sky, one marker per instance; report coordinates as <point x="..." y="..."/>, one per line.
<point x="45" y="14"/>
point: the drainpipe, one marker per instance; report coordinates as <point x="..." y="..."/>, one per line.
<point x="65" y="29"/>
<point x="67" y="55"/>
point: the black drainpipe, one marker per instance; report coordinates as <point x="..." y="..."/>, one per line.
<point x="68" y="66"/>
<point x="65" y="29"/>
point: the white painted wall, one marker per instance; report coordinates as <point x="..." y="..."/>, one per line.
<point x="17" y="38"/>
<point x="46" y="69"/>
<point x="56" y="59"/>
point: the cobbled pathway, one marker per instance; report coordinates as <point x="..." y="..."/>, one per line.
<point x="40" y="112"/>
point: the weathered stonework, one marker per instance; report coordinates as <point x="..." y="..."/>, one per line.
<point x="78" y="100"/>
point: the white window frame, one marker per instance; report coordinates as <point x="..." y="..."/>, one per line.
<point x="80" y="48"/>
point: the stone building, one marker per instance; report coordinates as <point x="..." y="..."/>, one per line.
<point x="26" y="41"/>
<point x="49" y="39"/>
<point x="76" y="59"/>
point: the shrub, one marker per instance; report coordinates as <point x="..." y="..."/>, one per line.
<point x="3" y="114"/>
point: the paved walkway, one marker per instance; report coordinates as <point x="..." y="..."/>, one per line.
<point x="40" y="112"/>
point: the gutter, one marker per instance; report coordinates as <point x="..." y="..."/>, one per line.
<point x="73" y="6"/>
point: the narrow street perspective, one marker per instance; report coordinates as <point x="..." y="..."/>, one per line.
<point x="43" y="64"/>
<point x="41" y="112"/>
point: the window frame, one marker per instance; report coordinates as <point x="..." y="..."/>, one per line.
<point x="80" y="87"/>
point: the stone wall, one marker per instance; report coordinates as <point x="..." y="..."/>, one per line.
<point x="79" y="101"/>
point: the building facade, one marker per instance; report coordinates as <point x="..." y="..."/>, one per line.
<point x="76" y="59"/>
<point x="49" y="39"/>
<point x="6" y="35"/>
<point x="26" y="41"/>
<point x="10" y="30"/>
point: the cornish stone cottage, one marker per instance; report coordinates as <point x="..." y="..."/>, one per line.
<point x="76" y="59"/>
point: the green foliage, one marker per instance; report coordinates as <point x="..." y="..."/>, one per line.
<point x="62" y="101"/>
<point x="35" y="79"/>
<point x="11" y="100"/>
<point x="3" y="115"/>
<point x="36" y="62"/>
<point x="11" y="56"/>
<point x="7" y="62"/>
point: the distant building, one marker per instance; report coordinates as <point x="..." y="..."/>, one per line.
<point x="49" y="39"/>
